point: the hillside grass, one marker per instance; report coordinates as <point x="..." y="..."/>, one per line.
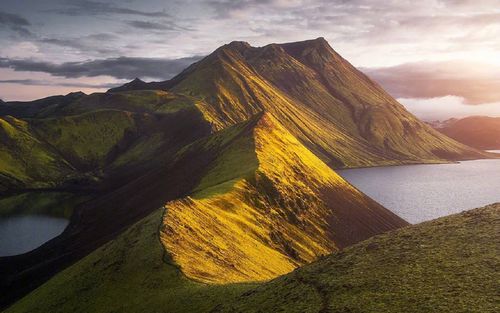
<point x="446" y="265"/>
<point x="129" y="274"/>
<point x="57" y="204"/>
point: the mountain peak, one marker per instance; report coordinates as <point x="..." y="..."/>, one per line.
<point x="239" y="46"/>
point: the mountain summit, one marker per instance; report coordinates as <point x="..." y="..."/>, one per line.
<point x="334" y="109"/>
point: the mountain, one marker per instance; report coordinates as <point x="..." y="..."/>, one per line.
<point x="480" y="132"/>
<point x="266" y="206"/>
<point x="230" y="197"/>
<point x="335" y="110"/>
<point x="230" y="161"/>
<point x="448" y="264"/>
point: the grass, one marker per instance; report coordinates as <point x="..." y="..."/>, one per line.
<point x="129" y="274"/>
<point x="446" y="265"/>
<point x="58" y="204"/>
<point x="260" y="210"/>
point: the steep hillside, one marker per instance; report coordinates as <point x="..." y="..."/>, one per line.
<point x="79" y="141"/>
<point x="448" y="265"/>
<point x="266" y="206"/>
<point x="331" y="107"/>
<point x="276" y="199"/>
<point x="480" y="132"/>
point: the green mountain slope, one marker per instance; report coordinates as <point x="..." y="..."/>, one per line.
<point x="78" y="142"/>
<point x="266" y="206"/>
<point x="335" y="110"/>
<point x="448" y="265"/>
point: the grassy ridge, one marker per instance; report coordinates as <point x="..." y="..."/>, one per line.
<point x="74" y="141"/>
<point x="446" y="265"/>
<point x="261" y="210"/>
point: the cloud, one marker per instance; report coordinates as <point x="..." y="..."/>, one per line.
<point x="87" y="7"/>
<point x="36" y="82"/>
<point x="121" y="68"/>
<point x="443" y="108"/>
<point x="165" y="25"/>
<point x="476" y="83"/>
<point x="15" y="23"/>
<point x="102" y="43"/>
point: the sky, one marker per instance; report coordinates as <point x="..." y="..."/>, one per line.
<point x="440" y="58"/>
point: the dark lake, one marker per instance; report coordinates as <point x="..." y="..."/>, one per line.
<point x="19" y="234"/>
<point x="422" y="192"/>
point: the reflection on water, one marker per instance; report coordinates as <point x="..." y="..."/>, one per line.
<point x="20" y="234"/>
<point x="422" y="192"/>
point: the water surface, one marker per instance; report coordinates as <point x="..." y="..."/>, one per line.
<point x="422" y="192"/>
<point x="20" y="234"/>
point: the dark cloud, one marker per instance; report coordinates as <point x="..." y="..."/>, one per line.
<point x="36" y="82"/>
<point x="166" y="25"/>
<point x="100" y="43"/>
<point x="121" y="68"/>
<point x="476" y="83"/>
<point x="15" y="23"/>
<point x="87" y="7"/>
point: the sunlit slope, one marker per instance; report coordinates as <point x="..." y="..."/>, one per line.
<point x="266" y="206"/>
<point x="446" y="265"/>
<point x="331" y="107"/>
<point x="129" y="274"/>
<point x="25" y="159"/>
<point x="273" y="204"/>
<point x="72" y="142"/>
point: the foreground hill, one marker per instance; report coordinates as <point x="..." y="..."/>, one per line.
<point x="266" y="206"/>
<point x="331" y="107"/>
<point x="446" y="265"/>
<point x="248" y="190"/>
<point x="480" y="132"/>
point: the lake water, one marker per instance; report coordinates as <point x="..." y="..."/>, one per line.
<point x="20" y="234"/>
<point x="423" y="192"/>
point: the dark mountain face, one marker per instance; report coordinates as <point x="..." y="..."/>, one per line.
<point x="480" y="132"/>
<point x="334" y="109"/>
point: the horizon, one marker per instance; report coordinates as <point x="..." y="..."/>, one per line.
<point x="452" y="70"/>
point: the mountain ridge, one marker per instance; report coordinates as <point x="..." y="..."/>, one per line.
<point x="359" y="124"/>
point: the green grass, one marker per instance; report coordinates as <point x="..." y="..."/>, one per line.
<point x="129" y="274"/>
<point x="58" y="204"/>
<point x="446" y="265"/>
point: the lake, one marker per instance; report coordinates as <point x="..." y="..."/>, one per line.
<point x="423" y="192"/>
<point x="20" y="234"/>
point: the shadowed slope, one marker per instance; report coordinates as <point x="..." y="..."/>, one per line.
<point x="266" y="206"/>
<point x="446" y="265"/>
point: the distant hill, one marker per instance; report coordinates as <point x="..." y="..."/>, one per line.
<point x="480" y="132"/>
<point x="449" y="265"/>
